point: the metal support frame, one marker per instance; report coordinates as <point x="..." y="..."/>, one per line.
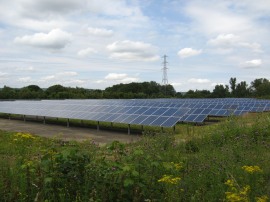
<point x="67" y="122"/>
<point x="98" y="126"/>
<point x="128" y="129"/>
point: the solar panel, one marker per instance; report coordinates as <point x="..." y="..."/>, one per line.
<point x="155" y="112"/>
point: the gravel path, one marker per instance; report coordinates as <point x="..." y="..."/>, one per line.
<point x="66" y="133"/>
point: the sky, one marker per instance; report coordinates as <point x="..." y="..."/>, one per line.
<point x="98" y="43"/>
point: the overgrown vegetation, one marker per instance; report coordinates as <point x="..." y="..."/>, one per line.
<point x="224" y="162"/>
<point x="259" y="88"/>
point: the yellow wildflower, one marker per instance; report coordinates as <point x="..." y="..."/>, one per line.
<point x="233" y="197"/>
<point x="245" y="190"/>
<point x="177" y="166"/>
<point x="263" y="198"/>
<point x="25" y="136"/>
<point x="251" y="169"/>
<point x="169" y="179"/>
<point x="229" y="182"/>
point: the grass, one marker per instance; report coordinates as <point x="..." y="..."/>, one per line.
<point x="228" y="161"/>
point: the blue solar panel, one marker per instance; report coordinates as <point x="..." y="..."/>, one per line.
<point x="159" y="121"/>
<point x="171" y="121"/>
<point x="139" y="119"/>
<point x="149" y="120"/>
<point x="162" y="112"/>
<point x="200" y="118"/>
<point x="150" y="111"/>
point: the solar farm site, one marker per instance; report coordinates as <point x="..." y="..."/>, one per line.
<point x="145" y="112"/>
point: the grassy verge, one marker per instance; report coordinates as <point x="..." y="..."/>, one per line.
<point x="228" y="161"/>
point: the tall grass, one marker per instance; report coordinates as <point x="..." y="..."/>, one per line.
<point x="223" y="162"/>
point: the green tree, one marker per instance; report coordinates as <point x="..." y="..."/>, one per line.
<point x="31" y="92"/>
<point x="8" y="93"/>
<point x="220" y="91"/>
<point x="260" y="87"/>
<point x="242" y="89"/>
<point x="53" y="91"/>
<point x="233" y="86"/>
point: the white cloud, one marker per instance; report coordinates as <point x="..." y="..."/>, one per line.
<point x="129" y="80"/>
<point x="133" y="50"/>
<point x="231" y="41"/>
<point x="100" y="32"/>
<point x="188" y="52"/>
<point x="112" y="8"/>
<point x="119" y="78"/>
<point x="211" y="18"/>
<point x="253" y="63"/>
<point x="47" y="8"/>
<point x="25" y="79"/>
<point x="100" y="81"/>
<point x="214" y="84"/>
<point x="55" y="39"/>
<point x="26" y="69"/>
<point x="48" y="78"/>
<point x="255" y="47"/>
<point x="201" y="81"/>
<point x="3" y="74"/>
<point x="75" y="82"/>
<point x="114" y="76"/>
<point x="176" y="84"/>
<point x="86" y="52"/>
<point x="66" y="74"/>
<point x="224" y="40"/>
<point x="67" y="78"/>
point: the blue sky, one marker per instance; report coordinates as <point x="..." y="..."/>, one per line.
<point x="99" y="43"/>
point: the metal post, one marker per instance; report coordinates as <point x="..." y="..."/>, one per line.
<point x="142" y="127"/>
<point x="111" y="124"/>
<point x="98" y="126"/>
<point x="174" y="129"/>
<point x="44" y="120"/>
<point x="67" y="122"/>
<point x="161" y="129"/>
<point x="24" y="118"/>
<point x="128" y="129"/>
<point x="9" y="116"/>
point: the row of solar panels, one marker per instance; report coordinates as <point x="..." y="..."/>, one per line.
<point x="187" y="103"/>
<point x="153" y="112"/>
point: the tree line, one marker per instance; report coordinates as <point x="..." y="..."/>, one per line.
<point x="257" y="88"/>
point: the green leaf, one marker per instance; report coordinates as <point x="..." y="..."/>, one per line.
<point x="128" y="182"/>
<point x="126" y="168"/>
<point x="48" y="180"/>
<point x="138" y="152"/>
<point x="154" y="164"/>
<point x="135" y="173"/>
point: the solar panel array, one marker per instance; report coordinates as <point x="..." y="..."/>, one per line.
<point x="152" y="112"/>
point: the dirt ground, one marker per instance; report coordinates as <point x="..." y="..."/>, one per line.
<point x="66" y="133"/>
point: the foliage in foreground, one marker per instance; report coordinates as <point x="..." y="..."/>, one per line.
<point x="229" y="162"/>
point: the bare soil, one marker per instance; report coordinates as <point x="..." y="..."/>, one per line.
<point x="66" y="133"/>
